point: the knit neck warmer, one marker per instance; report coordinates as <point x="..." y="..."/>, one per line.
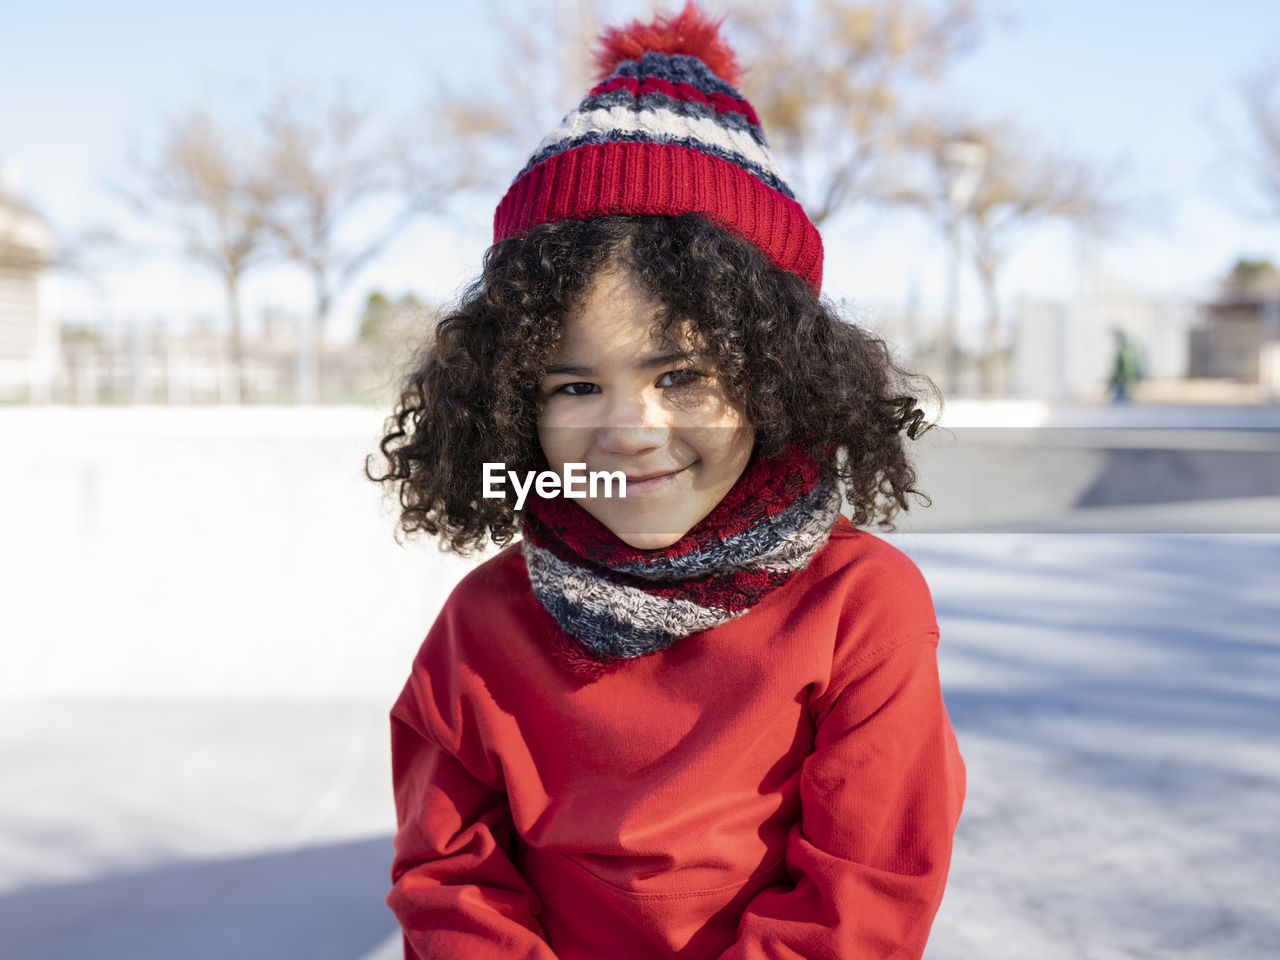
<point x="614" y="602"/>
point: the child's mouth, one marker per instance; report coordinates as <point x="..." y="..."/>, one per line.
<point x="652" y="482"/>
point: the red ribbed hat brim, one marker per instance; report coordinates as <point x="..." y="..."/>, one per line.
<point x="659" y="178"/>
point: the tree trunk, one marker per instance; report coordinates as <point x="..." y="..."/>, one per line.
<point x="950" y="338"/>
<point x="236" y="337"/>
<point x="993" y="356"/>
<point x="306" y="372"/>
<point x="324" y="301"/>
<point x="310" y="339"/>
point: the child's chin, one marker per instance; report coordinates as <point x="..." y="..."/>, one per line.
<point x="649" y="541"/>
<point x="646" y="524"/>
<point x="646" y="529"/>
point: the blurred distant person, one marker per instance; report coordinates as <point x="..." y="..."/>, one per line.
<point x="1127" y="368"/>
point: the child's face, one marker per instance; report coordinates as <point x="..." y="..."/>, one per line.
<point x="614" y="399"/>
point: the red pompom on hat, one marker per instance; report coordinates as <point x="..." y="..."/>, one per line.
<point x="689" y="32"/>
<point x="665" y="131"/>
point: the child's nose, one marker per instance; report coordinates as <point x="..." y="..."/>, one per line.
<point x="632" y="425"/>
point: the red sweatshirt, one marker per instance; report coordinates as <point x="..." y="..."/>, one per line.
<point x="786" y="785"/>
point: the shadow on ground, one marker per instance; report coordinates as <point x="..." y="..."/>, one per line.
<point x="319" y="902"/>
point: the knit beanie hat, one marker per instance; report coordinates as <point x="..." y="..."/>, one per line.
<point x="665" y="131"/>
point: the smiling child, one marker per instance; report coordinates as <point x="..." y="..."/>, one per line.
<point x="702" y="720"/>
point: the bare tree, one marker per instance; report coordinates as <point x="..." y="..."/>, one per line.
<point x="205" y="183"/>
<point x="832" y="84"/>
<point x="1021" y="185"/>
<point x="326" y="163"/>
<point x="830" y="80"/>
<point x="1259" y="94"/>
<point x="303" y="185"/>
<point x="476" y="135"/>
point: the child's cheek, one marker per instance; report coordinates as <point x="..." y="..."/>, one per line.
<point x="564" y="410"/>
<point x="710" y="404"/>
<point x="562" y="441"/>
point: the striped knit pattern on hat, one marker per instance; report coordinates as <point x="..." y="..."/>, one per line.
<point x="614" y="602"/>
<point x="663" y="133"/>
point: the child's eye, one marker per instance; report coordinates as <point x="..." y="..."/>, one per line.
<point x="680" y="378"/>
<point x="576" y="389"/>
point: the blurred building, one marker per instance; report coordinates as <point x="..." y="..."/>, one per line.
<point x="1065" y="350"/>
<point x="28" y="341"/>
<point x="1238" y="338"/>
<point x="1061" y="350"/>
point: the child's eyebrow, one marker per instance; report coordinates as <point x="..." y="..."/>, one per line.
<point x="664" y="359"/>
<point x="643" y="363"/>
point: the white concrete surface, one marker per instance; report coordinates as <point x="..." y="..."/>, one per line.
<point x="1114" y="697"/>
<point x="201" y="635"/>
<point x="204" y="552"/>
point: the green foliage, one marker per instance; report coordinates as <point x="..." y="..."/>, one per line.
<point x="380" y="313"/>
<point x="79" y="333"/>
<point x="1249" y="273"/>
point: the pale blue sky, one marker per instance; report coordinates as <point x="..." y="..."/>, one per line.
<point x="1135" y="80"/>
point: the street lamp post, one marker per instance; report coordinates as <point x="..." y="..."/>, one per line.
<point x="961" y="163"/>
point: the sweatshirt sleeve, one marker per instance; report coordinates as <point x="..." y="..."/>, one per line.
<point x="880" y="798"/>
<point x="455" y="889"/>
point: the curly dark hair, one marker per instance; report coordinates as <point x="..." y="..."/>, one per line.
<point x="801" y="373"/>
